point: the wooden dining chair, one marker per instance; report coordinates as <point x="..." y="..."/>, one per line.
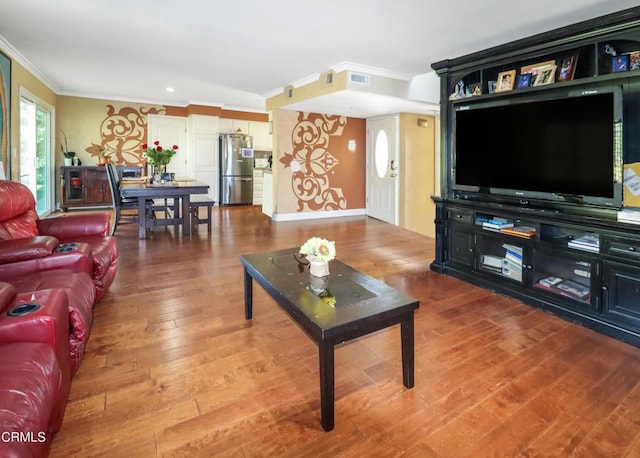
<point x="121" y="203"/>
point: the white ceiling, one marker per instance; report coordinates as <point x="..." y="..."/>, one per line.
<point x="235" y="53"/>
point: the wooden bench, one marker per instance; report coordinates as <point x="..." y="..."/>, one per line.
<point x="168" y="208"/>
<point x="198" y="201"/>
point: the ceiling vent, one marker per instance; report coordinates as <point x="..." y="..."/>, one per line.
<point x="289" y="91"/>
<point x="359" y="78"/>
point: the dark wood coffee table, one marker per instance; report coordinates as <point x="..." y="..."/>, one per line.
<point x="362" y="305"/>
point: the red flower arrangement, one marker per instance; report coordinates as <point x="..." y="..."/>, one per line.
<point x="158" y="155"/>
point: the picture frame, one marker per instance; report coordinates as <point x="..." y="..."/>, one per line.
<point x="619" y="63"/>
<point x="491" y="86"/>
<point x="546" y="76"/>
<point x="634" y="60"/>
<point x="524" y="80"/>
<point x="534" y="69"/>
<point x="505" y="81"/>
<point x="476" y="89"/>
<point x="568" y="67"/>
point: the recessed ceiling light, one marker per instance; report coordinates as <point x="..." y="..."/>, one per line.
<point x="170" y="89"/>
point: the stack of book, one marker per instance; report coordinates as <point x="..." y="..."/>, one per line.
<point x="497" y="224"/>
<point x="629" y="215"/>
<point x="549" y="282"/>
<point x="512" y="262"/>
<point x="568" y="288"/>
<point x="520" y="231"/>
<point x="588" y="242"/>
<point x="573" y="290"/>
<point x="492" y="263"/>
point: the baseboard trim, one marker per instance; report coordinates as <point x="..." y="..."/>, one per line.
<point x="279" y="217"/>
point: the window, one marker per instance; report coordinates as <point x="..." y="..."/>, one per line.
<point x="381" y="153"/>
<point x="36" y="158"/>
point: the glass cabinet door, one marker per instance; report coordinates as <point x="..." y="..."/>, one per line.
<point x="502" y="258"/>
<point x="565" y="276"/>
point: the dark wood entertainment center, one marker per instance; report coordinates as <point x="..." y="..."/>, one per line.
<point x="597" y="283"/>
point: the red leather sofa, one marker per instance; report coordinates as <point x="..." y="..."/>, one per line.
<point x="21" y="239"/>
<point x="34" y="367"/>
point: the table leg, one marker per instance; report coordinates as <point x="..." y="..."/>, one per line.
<point x="327" y="382"/>
<point x="406" y="336"/>
<point x="142" y="217"/>
<point x="248" y="295"/>
<point x="176" y="214"/>
<point x="186" y="221"/>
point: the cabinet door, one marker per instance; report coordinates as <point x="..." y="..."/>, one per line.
<point x="567" y="276"/>
<point x="260" y="133"/>
<point x="72" y="187"/>
<point x="257" y="187"/>
<point x="226" y="125"/>
<point x="621" y="293"/>
<point x="96" y="187"/>
<point x="461" y="248"/>
<point x="501" y="256"/>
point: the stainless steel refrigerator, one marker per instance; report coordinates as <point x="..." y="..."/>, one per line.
<point x="236" y="169"/>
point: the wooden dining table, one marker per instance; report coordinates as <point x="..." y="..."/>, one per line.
<point x="180" y="189"/>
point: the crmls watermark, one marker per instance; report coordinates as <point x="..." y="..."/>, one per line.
<point x="29" y="436"/>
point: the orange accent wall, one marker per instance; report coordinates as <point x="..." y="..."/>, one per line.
<point x="244" y="115"/>
<point x="215" y="111"/>
<point x="316" y="171"/>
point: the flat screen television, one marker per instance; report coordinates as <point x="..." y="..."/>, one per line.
<point x="562" y="147"/>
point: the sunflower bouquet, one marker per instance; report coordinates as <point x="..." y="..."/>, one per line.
<point x="319" y="249"/>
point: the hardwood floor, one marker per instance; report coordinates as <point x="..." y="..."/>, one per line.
<point x="173" y="369"/>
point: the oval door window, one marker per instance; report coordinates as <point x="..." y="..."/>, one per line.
<point x="381" y="153"/>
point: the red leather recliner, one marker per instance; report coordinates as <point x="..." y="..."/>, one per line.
<point x="19" y="221"/>
<point x="81" y="296"/>
<point x="34" y="367"/>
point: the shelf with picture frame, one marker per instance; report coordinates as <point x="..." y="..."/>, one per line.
<point x="613" y="56"/>
<point x="567" y="65"/>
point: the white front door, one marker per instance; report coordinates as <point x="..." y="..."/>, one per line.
<point x="169" y="131"/>
<point x="382" y="168"/>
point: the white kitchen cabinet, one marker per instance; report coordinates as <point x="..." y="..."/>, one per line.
<point x="227" y="125"/>
<point x="267" y="194"/>
<point x="257" y="186"/>
<point x="258" y="130"/>
<point x="261" y="136"/>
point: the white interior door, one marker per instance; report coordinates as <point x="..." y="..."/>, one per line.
<point x="382" y="168"/>
<point x="203" y="138"/>
<point x="169" y="131"/>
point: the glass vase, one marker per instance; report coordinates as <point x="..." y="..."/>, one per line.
<point x="318" y="276"/>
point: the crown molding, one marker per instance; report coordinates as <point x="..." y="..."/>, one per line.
<point x="307" y="80"/>
<point x="243" y="109"/>
<point x="14" y="54"/>
<point x="119" y="98"/>
<point x="273" y="92"/>
<point x="163" y="102"/>
<point x="360" y="68"/>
